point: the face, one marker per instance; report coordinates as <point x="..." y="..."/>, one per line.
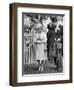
<point x="27" y="30"/>
<point x="55" y="23"/>
<point x="39" y="29"/>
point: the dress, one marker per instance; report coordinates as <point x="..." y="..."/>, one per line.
<point x="40" y="44"/>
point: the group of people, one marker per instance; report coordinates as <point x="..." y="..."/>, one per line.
<point x="47" y="45"/>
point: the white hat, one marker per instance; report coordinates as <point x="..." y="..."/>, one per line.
<point x="38" y="25"/>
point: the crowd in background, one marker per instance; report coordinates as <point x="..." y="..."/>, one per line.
<point x="43" y="39"/>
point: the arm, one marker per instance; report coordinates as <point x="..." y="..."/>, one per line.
<point x="36" y="39"/>
<point x="44" y="39"/>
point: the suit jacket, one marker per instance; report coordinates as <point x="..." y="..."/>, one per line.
<point x="50" y="38"/>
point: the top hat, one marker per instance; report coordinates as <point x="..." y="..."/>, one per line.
<point x="54" y="19"/>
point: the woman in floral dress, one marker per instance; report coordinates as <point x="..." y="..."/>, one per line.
<point x="40" y="43"/>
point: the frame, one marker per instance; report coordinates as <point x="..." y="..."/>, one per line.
<point x="22" y="74"/>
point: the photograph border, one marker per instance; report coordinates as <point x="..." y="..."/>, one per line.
<point x="13" y="43"/>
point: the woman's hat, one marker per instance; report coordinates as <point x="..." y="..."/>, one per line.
<point x="38" y="26"/>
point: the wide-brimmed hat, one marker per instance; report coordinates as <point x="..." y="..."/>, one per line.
<point x="38" y="26"/>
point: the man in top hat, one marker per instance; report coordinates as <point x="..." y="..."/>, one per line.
<point x="51" y="34"/>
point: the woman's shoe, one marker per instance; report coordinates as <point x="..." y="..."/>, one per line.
<point x="41" y="68"/>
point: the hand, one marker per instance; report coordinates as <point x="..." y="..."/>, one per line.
<point x="38" y="41"/>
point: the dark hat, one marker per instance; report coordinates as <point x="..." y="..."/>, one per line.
<point x="54" y="19"/>
<point x="51" y="26"/>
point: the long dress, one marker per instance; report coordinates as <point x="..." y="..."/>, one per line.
<point x="40" y="46"/>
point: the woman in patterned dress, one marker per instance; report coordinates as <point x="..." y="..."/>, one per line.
<point x="40" y="43"/>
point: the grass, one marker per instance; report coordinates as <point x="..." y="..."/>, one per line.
<point x="33" y="68"/>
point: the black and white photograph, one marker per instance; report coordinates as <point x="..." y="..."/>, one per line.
<point x="42" y="43"/>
